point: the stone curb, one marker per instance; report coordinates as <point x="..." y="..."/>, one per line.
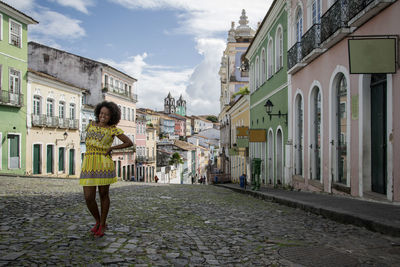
<point x="339" y="216"/>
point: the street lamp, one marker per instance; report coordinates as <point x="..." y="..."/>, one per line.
<point x="268" y="108"/>
<point x="61" y="139"/>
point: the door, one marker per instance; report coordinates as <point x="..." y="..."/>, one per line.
<point x="378" y="133"/>
<point x="71" y="161"/>
<point x="49" y="161"/>
<point x="279" y="157"/>
<point x="14" y="153"/>
<point x="36" y="159"/>
<point x="61" y="159"/>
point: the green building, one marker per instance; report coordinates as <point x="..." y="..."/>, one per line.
<point x="269" y="94"/>
<point x="13" y="88"/>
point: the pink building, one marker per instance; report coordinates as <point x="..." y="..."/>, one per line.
<point x="344" y="110"/>
<point x="140" y="174"/>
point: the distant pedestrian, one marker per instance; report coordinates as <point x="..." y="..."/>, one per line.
<point x="98" y="168"/>
<point x="156" y="179"/>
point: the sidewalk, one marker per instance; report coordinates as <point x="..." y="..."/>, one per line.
<point x="375" y="216"/>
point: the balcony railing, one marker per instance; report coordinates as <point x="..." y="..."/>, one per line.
<point x="73" y="124"/>
<point x="294" y="55"/>
<point x="356" y="6"/>
<point x="334" y="19"/>
<point x="63" y="123"/>
<point x="38" y="120"/>
<point x="311" y="40"/>
<point x="11" y="99"/>
<point x="51" y="121"/>
<point x="108" y="87"/>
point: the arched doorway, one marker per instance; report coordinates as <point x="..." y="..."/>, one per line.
<point x="270" y="157"/>
<point x="279" y="157"/>
<point x="315" y="134"/>
<point x="298" y="143"/>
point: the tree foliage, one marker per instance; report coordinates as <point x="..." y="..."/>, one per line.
<point x="212" y="118"/>
<point x="175" y="159"/>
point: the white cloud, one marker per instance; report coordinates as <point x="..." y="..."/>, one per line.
<point x="21" y="4"/>
<point x="80" y="5"/>
<point x="206" y="21"/>
<point x="56" y="26"/>
<point x="154" y="82"/>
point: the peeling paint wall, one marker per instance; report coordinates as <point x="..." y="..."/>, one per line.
<point x="81" y="72"/>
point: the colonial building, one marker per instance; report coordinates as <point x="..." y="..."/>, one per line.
<point x="103" y="82"/>
<point x="234" y="76"/>
<point x="269" y="95"/>
<point x="13" y="88"/>
<point x="52" y="139"/>
<point x="343" y="79"/>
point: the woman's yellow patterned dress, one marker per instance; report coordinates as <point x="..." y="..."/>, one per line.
<point x="97" y="168"/>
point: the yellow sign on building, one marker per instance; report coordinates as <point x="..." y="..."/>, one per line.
<point x="258" y="135"/>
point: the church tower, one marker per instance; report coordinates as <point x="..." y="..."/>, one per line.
<point x="181" y="106"/>
<point x="169" y="104"/>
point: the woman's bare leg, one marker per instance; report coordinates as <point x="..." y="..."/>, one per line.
<point x="105" y="203"/>
<point x="90" y="196"/>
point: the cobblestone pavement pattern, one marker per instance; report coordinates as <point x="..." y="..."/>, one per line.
<point x="45" y="222"/>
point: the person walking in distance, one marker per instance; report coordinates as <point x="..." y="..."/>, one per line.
<point x="98" y="169"/>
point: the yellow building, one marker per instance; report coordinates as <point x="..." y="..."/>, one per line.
<point x="240" y="117"/>
<point x="53" y="138"/>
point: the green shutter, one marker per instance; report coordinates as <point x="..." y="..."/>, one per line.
<point x="36" y="159"/>
<point x="72" y="161"/>
<point x="49" y="159"/>
<point x="61" y="159"/>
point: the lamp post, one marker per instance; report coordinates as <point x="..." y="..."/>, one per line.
<point x="62" y="139"/>
<point x="268" y="108"/>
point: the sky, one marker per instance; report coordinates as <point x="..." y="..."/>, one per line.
<point x="167" y="45"/>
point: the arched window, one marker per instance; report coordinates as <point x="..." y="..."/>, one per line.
<point x="263" y="66"/>
<point x="257" y="72"/>
<point x="341" y="130"/>
<point x="316" y="11"/>
<point x="279" y="49"/>
<point x="270" y="57"/>
<point x="299" y="24"/>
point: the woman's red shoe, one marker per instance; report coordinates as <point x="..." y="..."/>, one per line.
<point x="100" y="231"/>
<point x="95" y="228"/>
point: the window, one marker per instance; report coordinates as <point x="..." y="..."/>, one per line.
<point x="279" y="49"/>
<point x="50" y="107"/>
<point x="316" y="11"/>
<point x="61" y="109"/>
<point x="270" y="58"/>
<point x="1" y="27"/>
<point x="15" y="81"/>
<point x="105" y="80"/>
<point x="299" y="25"/>
<point x="15" y="33"/>
<point x="111" y="82"/>
<point x="263" y="66"/>
<point x="72" y="111"/>
<point x="129" y="114"/>
<point x="257" y="72"/>
<point x="124" y="113"/>
<point x="36" y="105"/>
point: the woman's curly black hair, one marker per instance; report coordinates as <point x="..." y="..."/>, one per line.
<point x="115" y="112"/>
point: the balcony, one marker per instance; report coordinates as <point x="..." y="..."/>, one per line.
<point x="294" y="58"/>
<point x="310" y="43"/>
<point x="11" y="99"/>
<point x="361" y="11"/>
<point x="51" y="121"/>
<point x="63" y="123"/>
<point x="73" y="124"/>
<point x="109" y="88"/>
<point x="334" y="23"/>
<point x="38" y="120"/>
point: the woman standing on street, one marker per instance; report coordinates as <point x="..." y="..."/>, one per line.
<point x="98" y="168"/>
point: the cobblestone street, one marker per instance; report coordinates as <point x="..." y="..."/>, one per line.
<point x="46" y="222"/>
